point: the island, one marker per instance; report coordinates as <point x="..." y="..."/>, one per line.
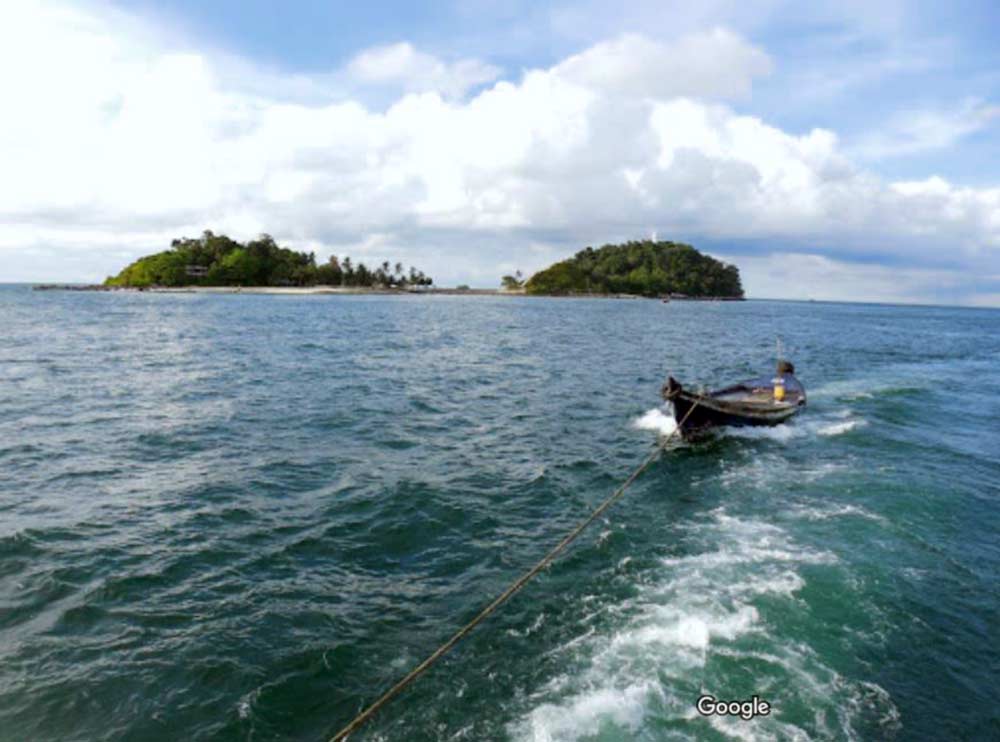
<point x="639" y="268"/>
<point x="215" y="263"/>
<point x="217" y="260"/>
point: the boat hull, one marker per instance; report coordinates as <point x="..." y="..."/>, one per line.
<point x="709" y="412"/>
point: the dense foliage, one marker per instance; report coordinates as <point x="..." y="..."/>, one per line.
<point x="646" y="268"/>
<point x="217" y="260"/>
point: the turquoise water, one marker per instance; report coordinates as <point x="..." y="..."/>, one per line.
<point x="243" y="517"/>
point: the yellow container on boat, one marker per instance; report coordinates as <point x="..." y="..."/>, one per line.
<point x="779" y="391"/>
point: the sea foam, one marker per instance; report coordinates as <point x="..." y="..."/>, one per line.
<point x="661" y="421"/>
<point x="658" y="420"/>
<point x="686" y="609"/>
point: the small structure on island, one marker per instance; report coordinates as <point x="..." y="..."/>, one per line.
<point x="195" y="271"/>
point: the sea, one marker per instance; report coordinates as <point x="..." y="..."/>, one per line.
<point x="244" y="517"/>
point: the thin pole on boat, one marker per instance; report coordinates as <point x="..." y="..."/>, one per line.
<point x="515" y="586"/>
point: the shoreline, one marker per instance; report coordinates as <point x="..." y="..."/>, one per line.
<point x="277" y="290"/>
<point x="356" y="290"/>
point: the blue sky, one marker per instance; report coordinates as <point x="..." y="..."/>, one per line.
<point x="832" y="150"/>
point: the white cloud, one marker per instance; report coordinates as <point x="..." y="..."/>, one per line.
<point x="803" y="276"/>
<point x="115" y="142"/>
<point x="400" y="64"/>
<point x="924" y="130"/>
<point x="718" y="64"/>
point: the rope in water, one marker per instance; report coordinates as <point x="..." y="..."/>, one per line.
<point x="521" y="581"/>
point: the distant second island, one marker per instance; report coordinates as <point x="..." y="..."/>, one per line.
<point x="643" y="268"/>
<point x="637" y="268"/>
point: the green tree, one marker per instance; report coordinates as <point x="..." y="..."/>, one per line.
<point x="217" y="260"/>
<point x="511" y="283"/>
<point x="639" y="267"/>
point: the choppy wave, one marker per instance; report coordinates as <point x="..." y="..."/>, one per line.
<point x="819" y="513"/>
<point x="235" y="518"/>
<point x="839" y="428"/>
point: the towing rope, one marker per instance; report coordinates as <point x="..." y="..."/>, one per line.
<point x="521" y="581"/>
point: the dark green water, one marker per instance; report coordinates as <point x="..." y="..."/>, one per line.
<point x="243" y="517"/>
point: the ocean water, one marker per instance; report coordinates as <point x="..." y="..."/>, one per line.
<point x="244" y="517"/>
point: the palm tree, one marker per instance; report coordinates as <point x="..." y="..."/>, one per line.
<point x="511" y="283"/>
<point x="364" y="276"/>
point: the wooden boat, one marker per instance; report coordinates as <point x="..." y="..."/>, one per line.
<point x="764" y="401"/>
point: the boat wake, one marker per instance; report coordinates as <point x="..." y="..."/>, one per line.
<point x="705" y="616"/>
<point x="697" y="621"/>
<point x="824" y="426"/>
<point x="660" y="420"/>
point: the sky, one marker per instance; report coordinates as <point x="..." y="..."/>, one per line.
<point x="832" y="150"/>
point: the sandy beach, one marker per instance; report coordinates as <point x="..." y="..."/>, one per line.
<point x="280" y="290"/>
